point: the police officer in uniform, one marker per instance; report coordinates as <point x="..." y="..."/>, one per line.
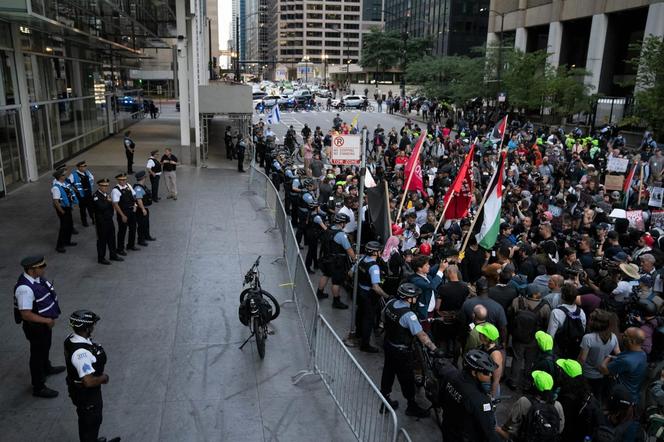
<point x="103" y="209"/>
<point x="401" y="325"/>
<point x="85" y="361"/>
<point x="154" y="168"/>
<point x="306" y="199"/>
<point x="83" y="182"/>
<point x="295" y="190"/>
<point x="289" y="176"/>
<point x="315" y="228"/>
<point x="129" y="147"/>
<point x="143" y="200"/>
<point x="334" y="262"/>
<point x="468" y="414"/>
<point x="124" y="204"/>
<point x="369" y="292"/>
<point x="63" y="201"/>
<point x="240" y="148"/>
<point x="36" y="306"/>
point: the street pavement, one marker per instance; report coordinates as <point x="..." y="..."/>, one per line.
<point x="169" y="316"/>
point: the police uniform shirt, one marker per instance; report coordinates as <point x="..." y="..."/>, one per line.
<point x="81" y="177"/>
<point x="25" y="297"/>
<point x="341" y="239"/>
<point x="374" y="271"/>
<point x="127" y="143"/>
<point x="116" y="194"/>
<point x="307" y="198"/>
<point x="295" y="185"/>
<point x="318" y="219"/>
<point x="152" y="162"/>
<point x="276" y="165"/>
<point x="408" y="320"/>
<point x="139" y="192"/>
<point x="82" y="359"/>
<point x="55" y="190"/>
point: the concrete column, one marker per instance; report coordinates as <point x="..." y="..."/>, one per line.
<point x="554" y="42"/>
<point x="521" y="39"/>
<point x="183" y="74"/>
<point x="29" y="154"/>
<point x="492" y="40"/>
<point x="598" y="29"/>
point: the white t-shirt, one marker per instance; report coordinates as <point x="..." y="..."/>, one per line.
<point x="25" y="297"/>
<point x="82" y="359"/>
<point x="116" y="194"/>
<point x="151" y="164"/>
<point x="352" y="225"/>
<point x="55" y="192"/>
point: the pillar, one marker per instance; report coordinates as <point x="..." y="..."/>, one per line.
<point x="521" y="39"/>
<point x="598" y="29"/>
<point x="554" y="43"/>
<point x="183" y="74"/>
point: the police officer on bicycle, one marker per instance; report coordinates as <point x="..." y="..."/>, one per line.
<point x="85" y="362"/>
<point x="401" y="325"/>
<point x="369" y="292"/>
<point x="468" y="413"/>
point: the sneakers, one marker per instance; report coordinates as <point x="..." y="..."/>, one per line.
<point x="336" y="303"/>
<point x="45" y="392"/>
<point x="415" y="410"/>
<point x="321" y="294"/>
<point x="393" y="404"/>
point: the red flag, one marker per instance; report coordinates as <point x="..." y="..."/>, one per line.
<point x="461" y="190"/>
<point x="498" y="131"/>
<point x="414" y="168"/>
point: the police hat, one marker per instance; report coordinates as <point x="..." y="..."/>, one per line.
<point x="83" y="319"/>
<point x="152" y="152"/>
<point x="30" y="262"/>
<point x="58" y="173"/>
<point x="139" y="175"/>
<point x="121" y="176"/>
<point x="104" y="181"/>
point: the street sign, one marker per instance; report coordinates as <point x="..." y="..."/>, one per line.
<point x="502" y="96"/>
<point x="346" y="150"/>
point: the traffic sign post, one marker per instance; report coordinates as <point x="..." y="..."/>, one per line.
<point x="346" y="150"/>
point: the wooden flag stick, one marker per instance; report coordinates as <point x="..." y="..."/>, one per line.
<point x="387" y="197"/>
<point x="640" y="183"/>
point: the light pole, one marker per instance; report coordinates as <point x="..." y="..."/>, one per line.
<point x="305" y="60"/>
<point x="325" y="57"/>
<point x="500" y="41"/>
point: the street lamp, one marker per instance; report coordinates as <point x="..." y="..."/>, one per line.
<point x="500" y="38"/>
<point x="325" y="57"/>
<point x="305" y="60"/>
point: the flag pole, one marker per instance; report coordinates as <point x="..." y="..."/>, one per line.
<point x="387" y="198"/>
<point x="486" y="194"/>
<point x="442" y="215"/>
<point x="640" y="183"/>
<point x="410" y="177"/>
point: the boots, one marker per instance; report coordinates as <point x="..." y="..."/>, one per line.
<point x="336" y="303"/>
<point x="394" y="404"/>
<point x="320" y="294"/>
<point x="415" y="410"/>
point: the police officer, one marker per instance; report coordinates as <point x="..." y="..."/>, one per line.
<point x="306" y="199"/>
<point x="334" y="262"/>
<point x="315" y="228"/>
<point x="369" y="292"/>
<point x="294" y="192"/>
<point x="129" y="147"/>
<point x="36" y="306"/>
<point x="239" y="151"/>
<point x="468" y="413"/>
<point x="143" y="200"/>
<point x="103" y="210"/>
<point x="83" y="182"/>
<point x="401" y="325"/>
<point x="277" y="172"/>
<point x="63" y="201"/>
<point x="124" y="204"/>
<point x="85" y="361"/>
<point x="228" y="141"/>
<point x="154" y="169"/>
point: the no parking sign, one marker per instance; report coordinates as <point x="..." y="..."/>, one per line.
<point x="346" y="150"/>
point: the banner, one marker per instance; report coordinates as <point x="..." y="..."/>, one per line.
<point x="656" y="194"/>
<point x="614" y="182"/>
<point x="635" y="218"/>
<point x="657" y="219"/>
<point x="617" y="164"/>
<point x="414" y="167"/>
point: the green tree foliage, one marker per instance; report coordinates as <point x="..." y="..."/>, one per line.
<point x="381" y="50"/>
<point x="649" y="95"/>
<point x="454" y="79"/>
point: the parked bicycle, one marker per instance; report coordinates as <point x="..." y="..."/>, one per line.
<point x="257" y="308"/>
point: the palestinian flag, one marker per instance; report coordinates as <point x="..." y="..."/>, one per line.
<point x="498" y="131"/>
<point x="492" y="205"/>
<point x="627" y="186"/>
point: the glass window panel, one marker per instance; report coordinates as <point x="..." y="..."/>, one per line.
<point x="8" y="95"/>
<point x="10" y="148"/>
<point x="40" y="135"/>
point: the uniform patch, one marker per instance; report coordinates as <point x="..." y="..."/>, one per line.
<point x="87" y="368"/>
<point x="413" y="317"/>
<point x="486" y="407"/>
<point x="95" y="198"/>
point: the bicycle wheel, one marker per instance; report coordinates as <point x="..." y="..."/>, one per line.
<point x="259" y="332"/>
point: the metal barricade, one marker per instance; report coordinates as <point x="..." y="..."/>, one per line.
<point x="355" y="394"/>
<point x="403" y="436"/>
<point x="305" y="299"/>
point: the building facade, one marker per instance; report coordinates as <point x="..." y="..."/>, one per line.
<point x="593" y="34"/>
<point x="454" y="26"/>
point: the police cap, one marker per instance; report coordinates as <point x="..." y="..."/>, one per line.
<point x="104" y="181"/>
<point x="83" y="318"/>
<point x="30" y="262"/>
<point x="139" y="175"/>
<point x="59" y="173"/>
<point x="80" y="163"/>
<point x="121" y="176"/>
<point x="373" y="246"/>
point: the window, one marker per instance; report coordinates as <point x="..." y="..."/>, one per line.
<point x="315" y="16"/>
<point x="313" y="34"/>
<point x="351" y="17"/>
<point x="348" y="8"/>
<point x="333" y="7"/>
<point x="351" y="26"/>
<point x="314" y="7"/>
<point x="332" y="16"/>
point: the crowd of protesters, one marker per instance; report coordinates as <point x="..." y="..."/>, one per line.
<point x="572" y="286"/>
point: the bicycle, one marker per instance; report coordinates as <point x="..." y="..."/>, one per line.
<point x="428" y="379"/>
<point x="255" y="312"/>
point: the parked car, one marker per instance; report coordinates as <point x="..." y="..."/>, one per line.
<point x="286" y="102"/>
<point x="271" y="100"/>
<point x="302" y="96"/>
<point x="354" y="100"/>
<point x="324" y="93"/>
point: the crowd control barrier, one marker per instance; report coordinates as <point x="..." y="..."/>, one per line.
<point x="357" y="397"/>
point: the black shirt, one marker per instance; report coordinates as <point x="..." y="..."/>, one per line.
<point x="471" y="266"/>
<point x="503" y="295"/>
<point x="168" y="167"/>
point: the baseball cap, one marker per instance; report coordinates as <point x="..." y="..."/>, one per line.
<point x="544" y="341"/>
<point x="488" y="330"/>
<point x="542" y="380"/>
<point x="571" y="367"/>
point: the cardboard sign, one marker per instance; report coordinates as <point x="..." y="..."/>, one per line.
<point x="346" y="149"/>
<point x="614" y="182"/>
<point x="617" y="164"/>
<point x="656" y="194"/>
<point x="635" y="218"/>
<point x="657" y="219"/>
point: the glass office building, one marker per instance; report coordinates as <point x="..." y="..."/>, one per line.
<point x="64" y="82"/>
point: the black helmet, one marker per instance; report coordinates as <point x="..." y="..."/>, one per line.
<point x="83" y="319"/>
<point x="480" y="361"/>
<point x="308" y="182"/>
<point x="408" y="290"/>
<point x="300" y="171"/>
<point x="373" y="246"/>
<point x="648" y="308"/>
<point x="341" y="218"/>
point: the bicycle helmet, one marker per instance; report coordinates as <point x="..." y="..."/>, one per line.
<point x="408" y="290"/>
<point x="308" y="182"/>
<point x="479" y="360"/>
<point x="373" y="246"/>
<point x="83" y="319"/>
<point x="300" y="171"/>
<point x="647" y="307"/>
<point x="340" y="218"/>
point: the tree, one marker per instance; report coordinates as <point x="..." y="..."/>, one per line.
<point x="381" y="50"/>
<point x="649" y="90"/>
<point x="567" y="93"/>
<point x="524" y="78"/>
<point x="454" y="79"/>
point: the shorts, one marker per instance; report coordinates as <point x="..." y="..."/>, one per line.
<point x="335" y="269"/>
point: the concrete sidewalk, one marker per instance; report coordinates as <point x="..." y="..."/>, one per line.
<point x="169" y="317"/>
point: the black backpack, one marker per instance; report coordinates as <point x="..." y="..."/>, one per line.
<point x="569" y="335"/>
<point x="542" y="422"/>
<point x="525" y="322"/>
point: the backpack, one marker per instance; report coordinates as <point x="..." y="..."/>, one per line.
<point x="525" y="322"/>
<point x="542" y="422"/>
<point x="569" y="335"/>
